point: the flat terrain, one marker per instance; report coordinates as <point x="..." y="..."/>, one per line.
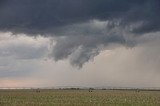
<point x="79" y="98"/>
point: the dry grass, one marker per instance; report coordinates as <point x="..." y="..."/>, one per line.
<point x="78" y="98"/>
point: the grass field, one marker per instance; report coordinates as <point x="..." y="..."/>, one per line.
<point x="79" y="98"/>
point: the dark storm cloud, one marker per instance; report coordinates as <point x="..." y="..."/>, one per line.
<point x="65" y="19"/>
<point x="43" y="16"/>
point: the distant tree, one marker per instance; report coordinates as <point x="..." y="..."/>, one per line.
<point x="38" y="90"/>
<point x="104" y="89"/>
<point x="90" y="89"/>
<point x="137" y="90"/>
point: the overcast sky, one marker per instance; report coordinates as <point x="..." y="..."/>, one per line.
<point x="89" y="43"/>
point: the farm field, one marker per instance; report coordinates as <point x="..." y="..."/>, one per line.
<point x="79" y="98"/>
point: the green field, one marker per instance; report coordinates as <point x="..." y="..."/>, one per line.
<point x="79" y="98"/>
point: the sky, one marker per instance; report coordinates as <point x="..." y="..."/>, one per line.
<point x="88" y="43"/>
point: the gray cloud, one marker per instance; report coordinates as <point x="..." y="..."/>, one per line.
<point x="22" y="47"/>
<point x="19" y="54"/>
<point x="82" y="27"/>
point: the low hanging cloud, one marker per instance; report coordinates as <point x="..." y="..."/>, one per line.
<point x="82" y="28"/>
<point x="86" y="40"/>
